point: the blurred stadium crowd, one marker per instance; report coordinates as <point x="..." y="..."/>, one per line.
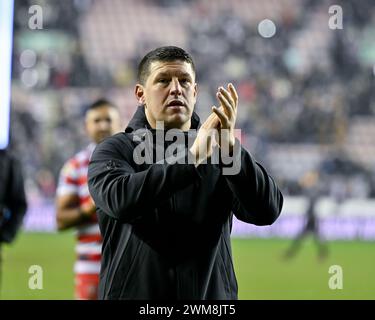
<point x="307" y="98"/>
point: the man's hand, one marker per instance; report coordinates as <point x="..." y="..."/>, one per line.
<point x="227" y="114"/>
<point x="70" y="213"/>
<point x="88" y="209"/>
<point x="202" y="146"/>
<point x="221" y="122"/>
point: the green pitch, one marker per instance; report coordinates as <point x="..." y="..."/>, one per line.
<point x="262" y="273"/>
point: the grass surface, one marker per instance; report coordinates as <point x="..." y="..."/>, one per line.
<point x="261" y="271"/>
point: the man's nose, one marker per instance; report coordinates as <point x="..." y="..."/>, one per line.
<point x="104" y="125"/>
<point x="176" y="89"/>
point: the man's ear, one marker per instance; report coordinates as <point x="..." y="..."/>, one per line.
<point x="140" y="93"/>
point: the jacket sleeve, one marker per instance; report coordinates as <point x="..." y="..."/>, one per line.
<point x="124" y="194"/>
<point x="257" y="198"/>
<point x="15" y="202"/>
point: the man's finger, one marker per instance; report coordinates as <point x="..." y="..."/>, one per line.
<point x="229" y="111"/>
<point x="234" y="94"/>
<point x="228" y="97"/>
<point x="211" y="122"/>
<point x="222" y="117"/>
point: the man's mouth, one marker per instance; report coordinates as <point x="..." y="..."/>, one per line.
<point x="176" y="104"/>
<point x="104" y="135"/>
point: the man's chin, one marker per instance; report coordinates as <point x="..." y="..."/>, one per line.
<point x="177" y="121"/>
<point x="100" y="138"/>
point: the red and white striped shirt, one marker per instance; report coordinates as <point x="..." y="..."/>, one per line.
<point x="73" y="180"/>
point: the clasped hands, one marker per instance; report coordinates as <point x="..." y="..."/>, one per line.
<point x="218" y="129"/>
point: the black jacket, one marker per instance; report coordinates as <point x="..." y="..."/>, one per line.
<point x="166" y="227"/>
<point x="13" y="202"/>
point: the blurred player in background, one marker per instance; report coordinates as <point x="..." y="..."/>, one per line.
<point x="13" y="203"/>
<point x="75" y="207"/>
<point x="311" y="186"/>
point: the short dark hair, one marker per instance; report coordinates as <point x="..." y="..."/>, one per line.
<point x="99" y="103"/>
<point x="165" y="54"/>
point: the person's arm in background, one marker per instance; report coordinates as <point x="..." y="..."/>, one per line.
<point x="69" y="212"/>
<point x="14" y="200"/>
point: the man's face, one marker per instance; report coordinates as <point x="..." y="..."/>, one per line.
<point x="169" y="94"/>
<point x="102" y="122"/>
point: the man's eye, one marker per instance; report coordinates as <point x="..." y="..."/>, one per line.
<point x="163" y="80"/>
<point x="184" y="81"/>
